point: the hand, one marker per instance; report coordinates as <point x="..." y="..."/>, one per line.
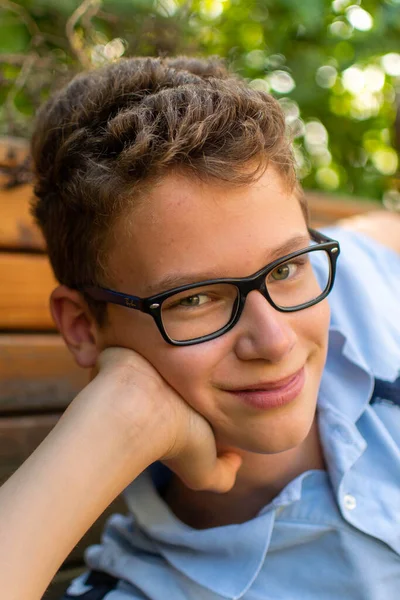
<point x="126" y="418"/>
<point x="182" y="438"/>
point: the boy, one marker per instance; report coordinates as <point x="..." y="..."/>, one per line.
<point x="191" y="284"/>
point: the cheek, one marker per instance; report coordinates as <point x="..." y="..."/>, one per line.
<point x="323" y="315"/>
<point x="313" y="328"/>
<point x="188" y="369"/>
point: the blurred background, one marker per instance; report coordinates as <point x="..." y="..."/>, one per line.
<point x="333" y="65"/>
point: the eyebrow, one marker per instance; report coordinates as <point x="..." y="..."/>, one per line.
<point x="174" y="280"/>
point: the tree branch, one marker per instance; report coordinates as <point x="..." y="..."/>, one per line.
<point x="75" y="43"/>
<point x="30" y="24"/>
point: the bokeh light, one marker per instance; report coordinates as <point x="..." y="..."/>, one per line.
<point x="391" y="63"/>
<point x="281" y="82"/>
<point x="326" y="76"/>
<point x="359" y="18"/>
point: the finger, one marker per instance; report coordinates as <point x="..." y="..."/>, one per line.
<point x="218" y="475"/>
<point x="224" y="475"/>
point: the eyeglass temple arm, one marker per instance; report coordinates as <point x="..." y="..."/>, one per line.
<point x="105" y="295"/>
<point x="317" y="236"/>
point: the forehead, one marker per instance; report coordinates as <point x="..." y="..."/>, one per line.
<point x="203" y="230"/>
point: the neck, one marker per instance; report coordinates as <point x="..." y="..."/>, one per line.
<point x="260" y="478"/>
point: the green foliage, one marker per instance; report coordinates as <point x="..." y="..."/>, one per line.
<point x="334" y="66"/>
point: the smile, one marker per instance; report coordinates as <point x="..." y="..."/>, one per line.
<point x="274" y="394"/>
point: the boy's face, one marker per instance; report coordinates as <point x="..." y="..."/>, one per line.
<point x="204" y="231"/>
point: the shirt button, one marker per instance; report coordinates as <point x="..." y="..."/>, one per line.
<point x="349" y="502"/>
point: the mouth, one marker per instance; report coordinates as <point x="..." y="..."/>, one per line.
<point x="272" y="394"/>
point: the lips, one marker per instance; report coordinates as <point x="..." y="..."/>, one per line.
<point x="266" y="385"/>
<point x="271" y="394"/>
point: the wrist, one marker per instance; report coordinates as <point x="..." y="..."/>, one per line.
<point x="117" y="419"/>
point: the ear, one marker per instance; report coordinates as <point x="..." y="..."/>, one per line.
<point x="76" y="325"/>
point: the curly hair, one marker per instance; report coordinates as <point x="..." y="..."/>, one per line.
<point x="112" y="131"/>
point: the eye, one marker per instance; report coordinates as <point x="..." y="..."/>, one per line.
<point x="195" y="300"/>
<point x="283" y="272"/>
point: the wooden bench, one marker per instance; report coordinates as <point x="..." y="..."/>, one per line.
<point x="38" y="377"/>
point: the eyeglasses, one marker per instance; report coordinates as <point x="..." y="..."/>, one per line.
<point x="199" y="312"/>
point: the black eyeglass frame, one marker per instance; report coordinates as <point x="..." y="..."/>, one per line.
<point x="152" y="305"/>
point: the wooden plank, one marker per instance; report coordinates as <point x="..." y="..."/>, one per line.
<point x="26" y="283"/>
<point x="19" y="436"/>
<point x="37" y="372"/>
<point x="17" y="229"/>
<point x="326" y="209"/>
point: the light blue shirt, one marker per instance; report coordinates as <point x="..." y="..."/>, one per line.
<point x="327" y="535"/>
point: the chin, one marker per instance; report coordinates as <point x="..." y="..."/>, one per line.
<point x="261" y="444"/>
<point x="275" y="446"/>
<point x="281" y="433"/>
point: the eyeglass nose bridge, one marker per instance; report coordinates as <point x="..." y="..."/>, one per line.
<point x="256" y="283"/>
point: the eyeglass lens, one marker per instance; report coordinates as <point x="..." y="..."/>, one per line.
<point x="205" y="309"/>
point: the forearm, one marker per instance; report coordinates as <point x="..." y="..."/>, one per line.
<point x="53" y="499"/>
<point x="124" y="420"/>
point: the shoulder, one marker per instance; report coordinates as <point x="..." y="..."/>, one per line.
<point x="367" y="283"/>
<point x="368" y="259"/>
<point x="364" y="302"/>
<point x="381" y="226"/>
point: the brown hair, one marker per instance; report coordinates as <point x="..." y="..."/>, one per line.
<point x="113" y="130"/>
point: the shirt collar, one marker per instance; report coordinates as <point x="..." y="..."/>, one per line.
<point x="364" y="307"/>
<point x="364" y="331"/>
<point x="225" y="560"/>
<point x="347" y="382"/>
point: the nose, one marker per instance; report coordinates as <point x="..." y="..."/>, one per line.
<point x="263" y="332"/>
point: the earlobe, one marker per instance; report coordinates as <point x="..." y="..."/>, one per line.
<point x="76" y="325"/>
